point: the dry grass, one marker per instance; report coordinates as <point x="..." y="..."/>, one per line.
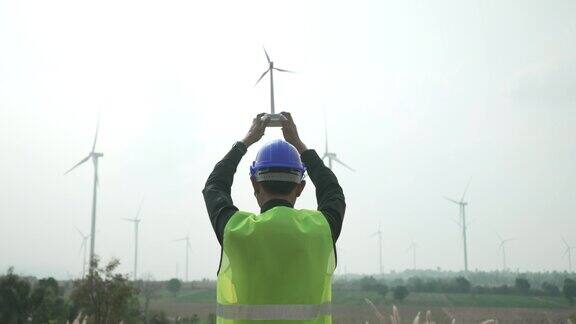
<point x="395" y="317"/>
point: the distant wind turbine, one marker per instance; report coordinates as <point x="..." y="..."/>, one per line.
<point x="412" y="247"/>
<point x="330" y="155"/>
<point x="568" y="252"/>
<point x="379" y="234"/>
<point x="83" y="247"/>
<point x="271" y="69"/>
<point x="94" y="156"/>
<point x="136" y="220"/>
<point x="462" y="223"/>
<point x="187" y="239"/>
<point x="503" y="242"/>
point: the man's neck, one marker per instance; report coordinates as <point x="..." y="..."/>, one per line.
<point x="275" y="202"/>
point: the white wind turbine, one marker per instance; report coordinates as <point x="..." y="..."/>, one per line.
<point x="331" y="155"/>
<point x="503" y="242"/>
<point x="187" y="239"/>
<point x="94" y="156"/>
<point x="568" y="252"/>
<point x="271" y="69"/>
<point x="462" y="223"/>
<point x="136" y="220"/>
<point x="83" y="247"/>
<point x="379" y="234"/>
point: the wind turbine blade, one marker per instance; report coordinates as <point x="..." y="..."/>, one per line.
<point x="324" y="156"/>
<point x="456" y="222"/>
<point x="96" y="135"/>
<point x="344" y="164"/>
<point x="82" y="246"/>
<point x="129" y="219"/>
<point x="565" y="243"/>
<point x="77" y="164"/>
<point x="452" y="200"/>
<point x="282" y="70"/>
<point x="267" y="57"/>
<point x="182" y="239"/>
<point x="139" y="209"/>
<point x="500" y="237"/>
<point x="263" y="74"/>
<point x="79" y="232"/>
<point x="466" y="190"/>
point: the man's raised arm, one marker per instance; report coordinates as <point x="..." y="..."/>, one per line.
<point x="217" y="191"/>
<point x="329" y="194"/>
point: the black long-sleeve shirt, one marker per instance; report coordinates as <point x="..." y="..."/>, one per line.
<point x="217" y="190"/>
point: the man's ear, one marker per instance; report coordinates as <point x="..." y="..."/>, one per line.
<point x="300" y="188"/>
<point x="256" y="186"/>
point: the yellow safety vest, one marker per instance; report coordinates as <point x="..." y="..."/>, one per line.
<point x="276" y="267"/>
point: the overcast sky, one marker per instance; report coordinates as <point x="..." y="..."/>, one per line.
<point x="421" y="97"/>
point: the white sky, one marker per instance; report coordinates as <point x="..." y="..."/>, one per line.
<point x="421" y="96"/>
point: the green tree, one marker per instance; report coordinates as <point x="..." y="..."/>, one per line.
<point x="550" y="289"/>
<point x="368" y="283"/>
<point x="174" y="285"/>
<point x="47" y="302"/>
<point x="15" y="303"/>
<point x="382" y="289"/>
<point x="462" y="285"/>
<point x="400" y="293"/>
<point x="522" y="285"/>
<point x="569" y="290"/>
<point x="106" y="297"/>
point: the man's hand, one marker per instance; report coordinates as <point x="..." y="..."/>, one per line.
<point x="256" y="130"/>
<point x="291" y="133"/>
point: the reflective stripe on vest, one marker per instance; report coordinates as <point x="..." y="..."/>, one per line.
<point x="273" y="312"/>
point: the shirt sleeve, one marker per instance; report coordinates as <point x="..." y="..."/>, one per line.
<point x="218" y="189"/>
<point x="329" y="194"/>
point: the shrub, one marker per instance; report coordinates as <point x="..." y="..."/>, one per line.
<point x="569" y="290"/>
<point x="462" y="285"/>
<point x="522" y="285"/>
<point x="400" y="293"/>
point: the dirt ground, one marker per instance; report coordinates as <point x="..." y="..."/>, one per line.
<point x="343" y="314"/>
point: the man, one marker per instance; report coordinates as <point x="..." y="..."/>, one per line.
<point x="276" y="266"/>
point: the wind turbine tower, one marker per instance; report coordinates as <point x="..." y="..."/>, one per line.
<point x="94" y="156"/>
<point x="187" y="240"/>
<point x="462" y="223"/>
<point x="503" y="248"/>
<point x="83" y="247"/>
<point x="331" y="155"/>
<point x="136" y="220"/>
<point x="271" y="69"/>
<point x="568" y="252"/>
<point x="379" y="234"/>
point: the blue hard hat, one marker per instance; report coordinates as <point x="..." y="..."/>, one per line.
<point x="278" y="161"/>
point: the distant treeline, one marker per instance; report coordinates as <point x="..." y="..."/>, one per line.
<point x="460" y="284"/>
<point x="476" y="278"/>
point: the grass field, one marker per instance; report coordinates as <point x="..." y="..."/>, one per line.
<point x="350" y="306"/>
<point x="356" y="297"/>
